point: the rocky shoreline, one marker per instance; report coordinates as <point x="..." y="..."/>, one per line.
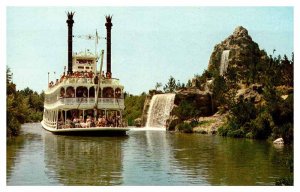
<point x="210" y="125"/>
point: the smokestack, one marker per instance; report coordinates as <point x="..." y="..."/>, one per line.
<point x="70" y="22"/>
<point x="108" y="25"/>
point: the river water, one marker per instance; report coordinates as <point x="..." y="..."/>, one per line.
<point x="144" y="157"/>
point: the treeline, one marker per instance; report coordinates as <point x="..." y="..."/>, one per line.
<point x="133" y="107"/>
<point x="21" y="106"/>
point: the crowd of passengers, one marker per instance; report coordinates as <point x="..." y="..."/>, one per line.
<point x="108" y="93"/>
<point x="80" y="122"/>
<point x="78" y="74"/>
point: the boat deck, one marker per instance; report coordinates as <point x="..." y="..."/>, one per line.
<point x="97" y="131"/>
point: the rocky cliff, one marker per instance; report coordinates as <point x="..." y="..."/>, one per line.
<point x="244" y="53"/>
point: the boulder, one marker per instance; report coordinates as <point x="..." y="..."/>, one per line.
<point x="253" y="93"/>
<point x="138" y="122"/>
<point x="172" y="122"/>
<point x="201" y="100"/>
<point x="278" y="141"/>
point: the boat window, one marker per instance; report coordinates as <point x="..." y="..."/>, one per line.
<point x="84" y="61"/>
<point x="118" y="93"/>
<point x="81" y="92"/>
<point x="92" y="92"/>
<point x="62" y="92"/>
<point x="70" y="92"/>
<point x="108" y="92"/>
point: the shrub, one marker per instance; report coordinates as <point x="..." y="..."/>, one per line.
<point x="236" y="133"/>
<point x="223" y="131"/>
<point x="184" y="128"/>
<point x="194" y="123"/>
<point x="249" y="135"/>
<point x="173" y="123"/>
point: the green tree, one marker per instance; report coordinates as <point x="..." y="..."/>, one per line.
<point x="171" y="86"/>
<point x="134" y="107"/>
<point x="16" y="107"/>
<point x="189" y="83"/>
<point x="158" y="85"/>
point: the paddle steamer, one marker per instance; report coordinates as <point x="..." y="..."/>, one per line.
<point x="85" y="100"/>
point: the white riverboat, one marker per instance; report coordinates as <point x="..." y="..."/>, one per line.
<point x="85" y="100"/>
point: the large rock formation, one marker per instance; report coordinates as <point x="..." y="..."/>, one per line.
<point x="189" y="104"/>
<point x="244" y="53"/>
<point x="200" y="99"/>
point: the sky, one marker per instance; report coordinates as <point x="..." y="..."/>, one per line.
<point x="149" y="44"/>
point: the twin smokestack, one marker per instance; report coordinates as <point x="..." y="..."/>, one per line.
<point x="108" y="25"/>
<point x="70" y="22"/>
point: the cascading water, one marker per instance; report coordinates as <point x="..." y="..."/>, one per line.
<point x="224" y="62"/>
<point x="159" y="110"/>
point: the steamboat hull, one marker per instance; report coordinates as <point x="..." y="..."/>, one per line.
<point x="92" y="131"/>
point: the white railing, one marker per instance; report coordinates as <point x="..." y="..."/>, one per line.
<point x="84" y="80"/>
<point x="102" y="102"/>
<point x="49" y="123"/>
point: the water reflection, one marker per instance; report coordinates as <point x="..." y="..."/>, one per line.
<point x="38" y="157"/>
<point x="12" y="154"/>
<point x="227" y="161"/>
<point x="84" y="160"/>
<point x="146" y="158"/>
<point x="23" y="155"/>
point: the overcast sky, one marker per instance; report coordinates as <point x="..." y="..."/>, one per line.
<point x="149" y="44"/>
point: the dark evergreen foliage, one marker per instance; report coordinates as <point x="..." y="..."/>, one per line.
<point x="21" y="106"/>
<point x="133" y="107"/>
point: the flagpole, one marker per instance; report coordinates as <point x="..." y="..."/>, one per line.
<point x="96" y="41"/>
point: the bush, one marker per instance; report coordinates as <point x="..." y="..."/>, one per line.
<point x="13" y="126"/>
<point x="285" y="181"/>
<point x="173" y="123"/>
<point x="184" y="128"/>
<point x="222" y="131"/>
<point x="187" y="109"/>
<point x="133" y="108"/>
<point x="236" y="133"/>
<point x="34" y="116"/>
<point x="194" y="123"/>
<point x="249" y="135"/>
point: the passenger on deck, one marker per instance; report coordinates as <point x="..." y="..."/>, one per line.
<point x="101" y="122"/>
<point x="68" y="123"/>
<point x="96" y="79"/>
<point x="76" y="122"/>
<point x="88" y="121"/>
<point x="92" y="122"/>
<point x="108" y="75"/>
<point x="84" y="94"/>
<point x="90" y="74"/>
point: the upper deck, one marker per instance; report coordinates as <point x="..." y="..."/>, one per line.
<point x="79" y="90"/>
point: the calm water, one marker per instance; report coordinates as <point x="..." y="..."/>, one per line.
<point x="38" y="157"/>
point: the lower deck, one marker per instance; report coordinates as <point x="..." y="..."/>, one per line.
<point x="82" y="118"/>
<point x="87" y="131"/>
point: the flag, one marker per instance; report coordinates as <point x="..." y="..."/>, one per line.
<point x="86" y="37"/>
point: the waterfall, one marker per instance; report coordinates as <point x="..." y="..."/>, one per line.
<point x="159" y="110"/>
<point x="224" y="62"/>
